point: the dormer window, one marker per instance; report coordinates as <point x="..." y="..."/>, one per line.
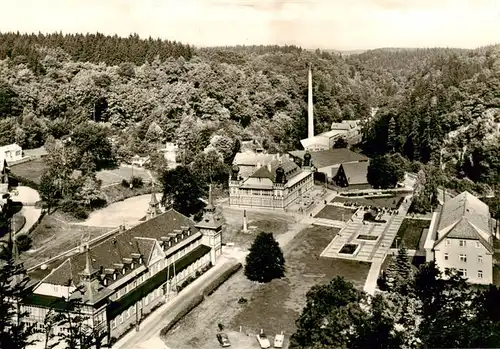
<point x="170" y="243"/>
<point x="123" y="271"/>
<point x="140" y="260"/>
<point x="114" y="276"/>
<point x="132" y="265"/>
<point x="105" y="282"/>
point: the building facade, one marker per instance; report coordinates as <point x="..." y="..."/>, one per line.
<point x="275" y="185"/>
<point x="461" y="237"/>
<point x="353" y="175"/>
<point x="119" y="280"/>
<point x="328" y="161"/>
<point x="11" y="152"/>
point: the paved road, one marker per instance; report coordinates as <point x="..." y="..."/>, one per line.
<point x="152" y="325"/>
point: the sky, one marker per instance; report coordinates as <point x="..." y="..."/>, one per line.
<point x="324" y="24"/>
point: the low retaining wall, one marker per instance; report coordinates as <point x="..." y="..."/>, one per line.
<point x="198" y="298"/>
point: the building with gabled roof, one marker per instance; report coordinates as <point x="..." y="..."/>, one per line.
<point x="329" y="161"/>
<point x="275" y="184"/>
<point x="461" y="237"/>
<point x="353" y="175"/>
<point x="120" y="278"/>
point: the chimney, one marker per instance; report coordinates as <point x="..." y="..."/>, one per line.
<point x="310" y="112"/>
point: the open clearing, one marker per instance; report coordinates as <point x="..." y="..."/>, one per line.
<point x="257" y="222"/>
<point x="273" y="307"/>
<point x="410" y="232"/>
<point x="335" y="213"/>
<point x="54" y="236"/>
<point x="33" y="170"/>
<point x="116" y="175"/>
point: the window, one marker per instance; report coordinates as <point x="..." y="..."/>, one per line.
<point x="146" y="300"/>
<point x="56" y="288"/>
<point x="132" y="266"/>
<point x="462" y="243"/>
<point x="121" y="318"/>
<point x="446" y="256"/>
<point x="114" y="276"/>
<point x="463" y="258"/>
<point x="462" y="272"/>
<point x="448" y="242"/>
<point x="113" y="323"/>
<point x="480" y="259"/>
<point x="129" y="311"/>
<point x="480" y="274"/>
<point x="478" y="244"/>
<point x="123" y="271"/>
<point x="105" y="282"/>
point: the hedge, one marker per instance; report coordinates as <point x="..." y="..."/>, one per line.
<point x="199" y="298"/>
<point x="214" y="285"/>
<point x="25" y="181"/>
<point x="193" y="303"/>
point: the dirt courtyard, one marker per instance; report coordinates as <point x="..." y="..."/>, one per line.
<point x="273" y="307"/>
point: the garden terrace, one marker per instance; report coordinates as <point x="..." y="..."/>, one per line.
<point x="388" y="201"/>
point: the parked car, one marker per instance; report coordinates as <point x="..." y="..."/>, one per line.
<point x="223" y="340"/>
<point x="263" y="340"/>
<point x="278" y="340"/>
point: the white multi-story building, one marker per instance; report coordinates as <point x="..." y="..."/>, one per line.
<point x="461" y="237"/>
<point x="11" y="152"/>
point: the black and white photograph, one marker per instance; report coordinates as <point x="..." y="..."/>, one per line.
<point x="246" y="174"/>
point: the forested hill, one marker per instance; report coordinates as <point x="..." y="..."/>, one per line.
<point x="95" y="48"/>
<point x="217" y="92"/>
<point x="145" y="92"/>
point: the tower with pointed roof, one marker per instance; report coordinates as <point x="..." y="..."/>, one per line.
<point x="211" y="228"/>
<point x="154" y="207"/>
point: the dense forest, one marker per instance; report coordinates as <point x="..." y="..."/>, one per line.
<point x="437" y="106"/>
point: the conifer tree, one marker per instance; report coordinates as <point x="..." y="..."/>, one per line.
<point x="14" y="333"/>
<point x="391" y="135"/>
<point x="399" y="273"/>
<point x="265" y="261"/>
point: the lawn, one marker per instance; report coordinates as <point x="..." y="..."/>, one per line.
<point x="118" y="192"/>
<point x="31" y="170"/>
<point x="282" y="300"/>
<point x="410" y="232"/>
<point x="273" y="307"/>
<point x="335" y="213"/>
<point x="54" y="236"/>
<point x="257" y="222"/>
<point x="116" y="175"/>
<point x="390" y="202"/>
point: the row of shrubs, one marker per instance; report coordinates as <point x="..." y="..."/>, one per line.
<point x="135" y="182"/>
<point x="196" y="300"/>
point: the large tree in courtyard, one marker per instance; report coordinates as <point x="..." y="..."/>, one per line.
<point x="265" y="261"/>
<point x="384" y="173"/>
<point x="181" y="189"/>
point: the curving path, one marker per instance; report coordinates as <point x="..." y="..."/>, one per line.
<point x="128" y="212"/>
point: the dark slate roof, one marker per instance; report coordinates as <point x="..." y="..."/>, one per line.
<point x="330" y="157"/>
<point x="466" y="217"/>
<point x="290" y="167"/>
<point x="110" y="253"/>
<point x="355" y="172"/>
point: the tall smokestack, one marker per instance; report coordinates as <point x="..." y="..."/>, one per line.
<point x="310" y="114"/>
